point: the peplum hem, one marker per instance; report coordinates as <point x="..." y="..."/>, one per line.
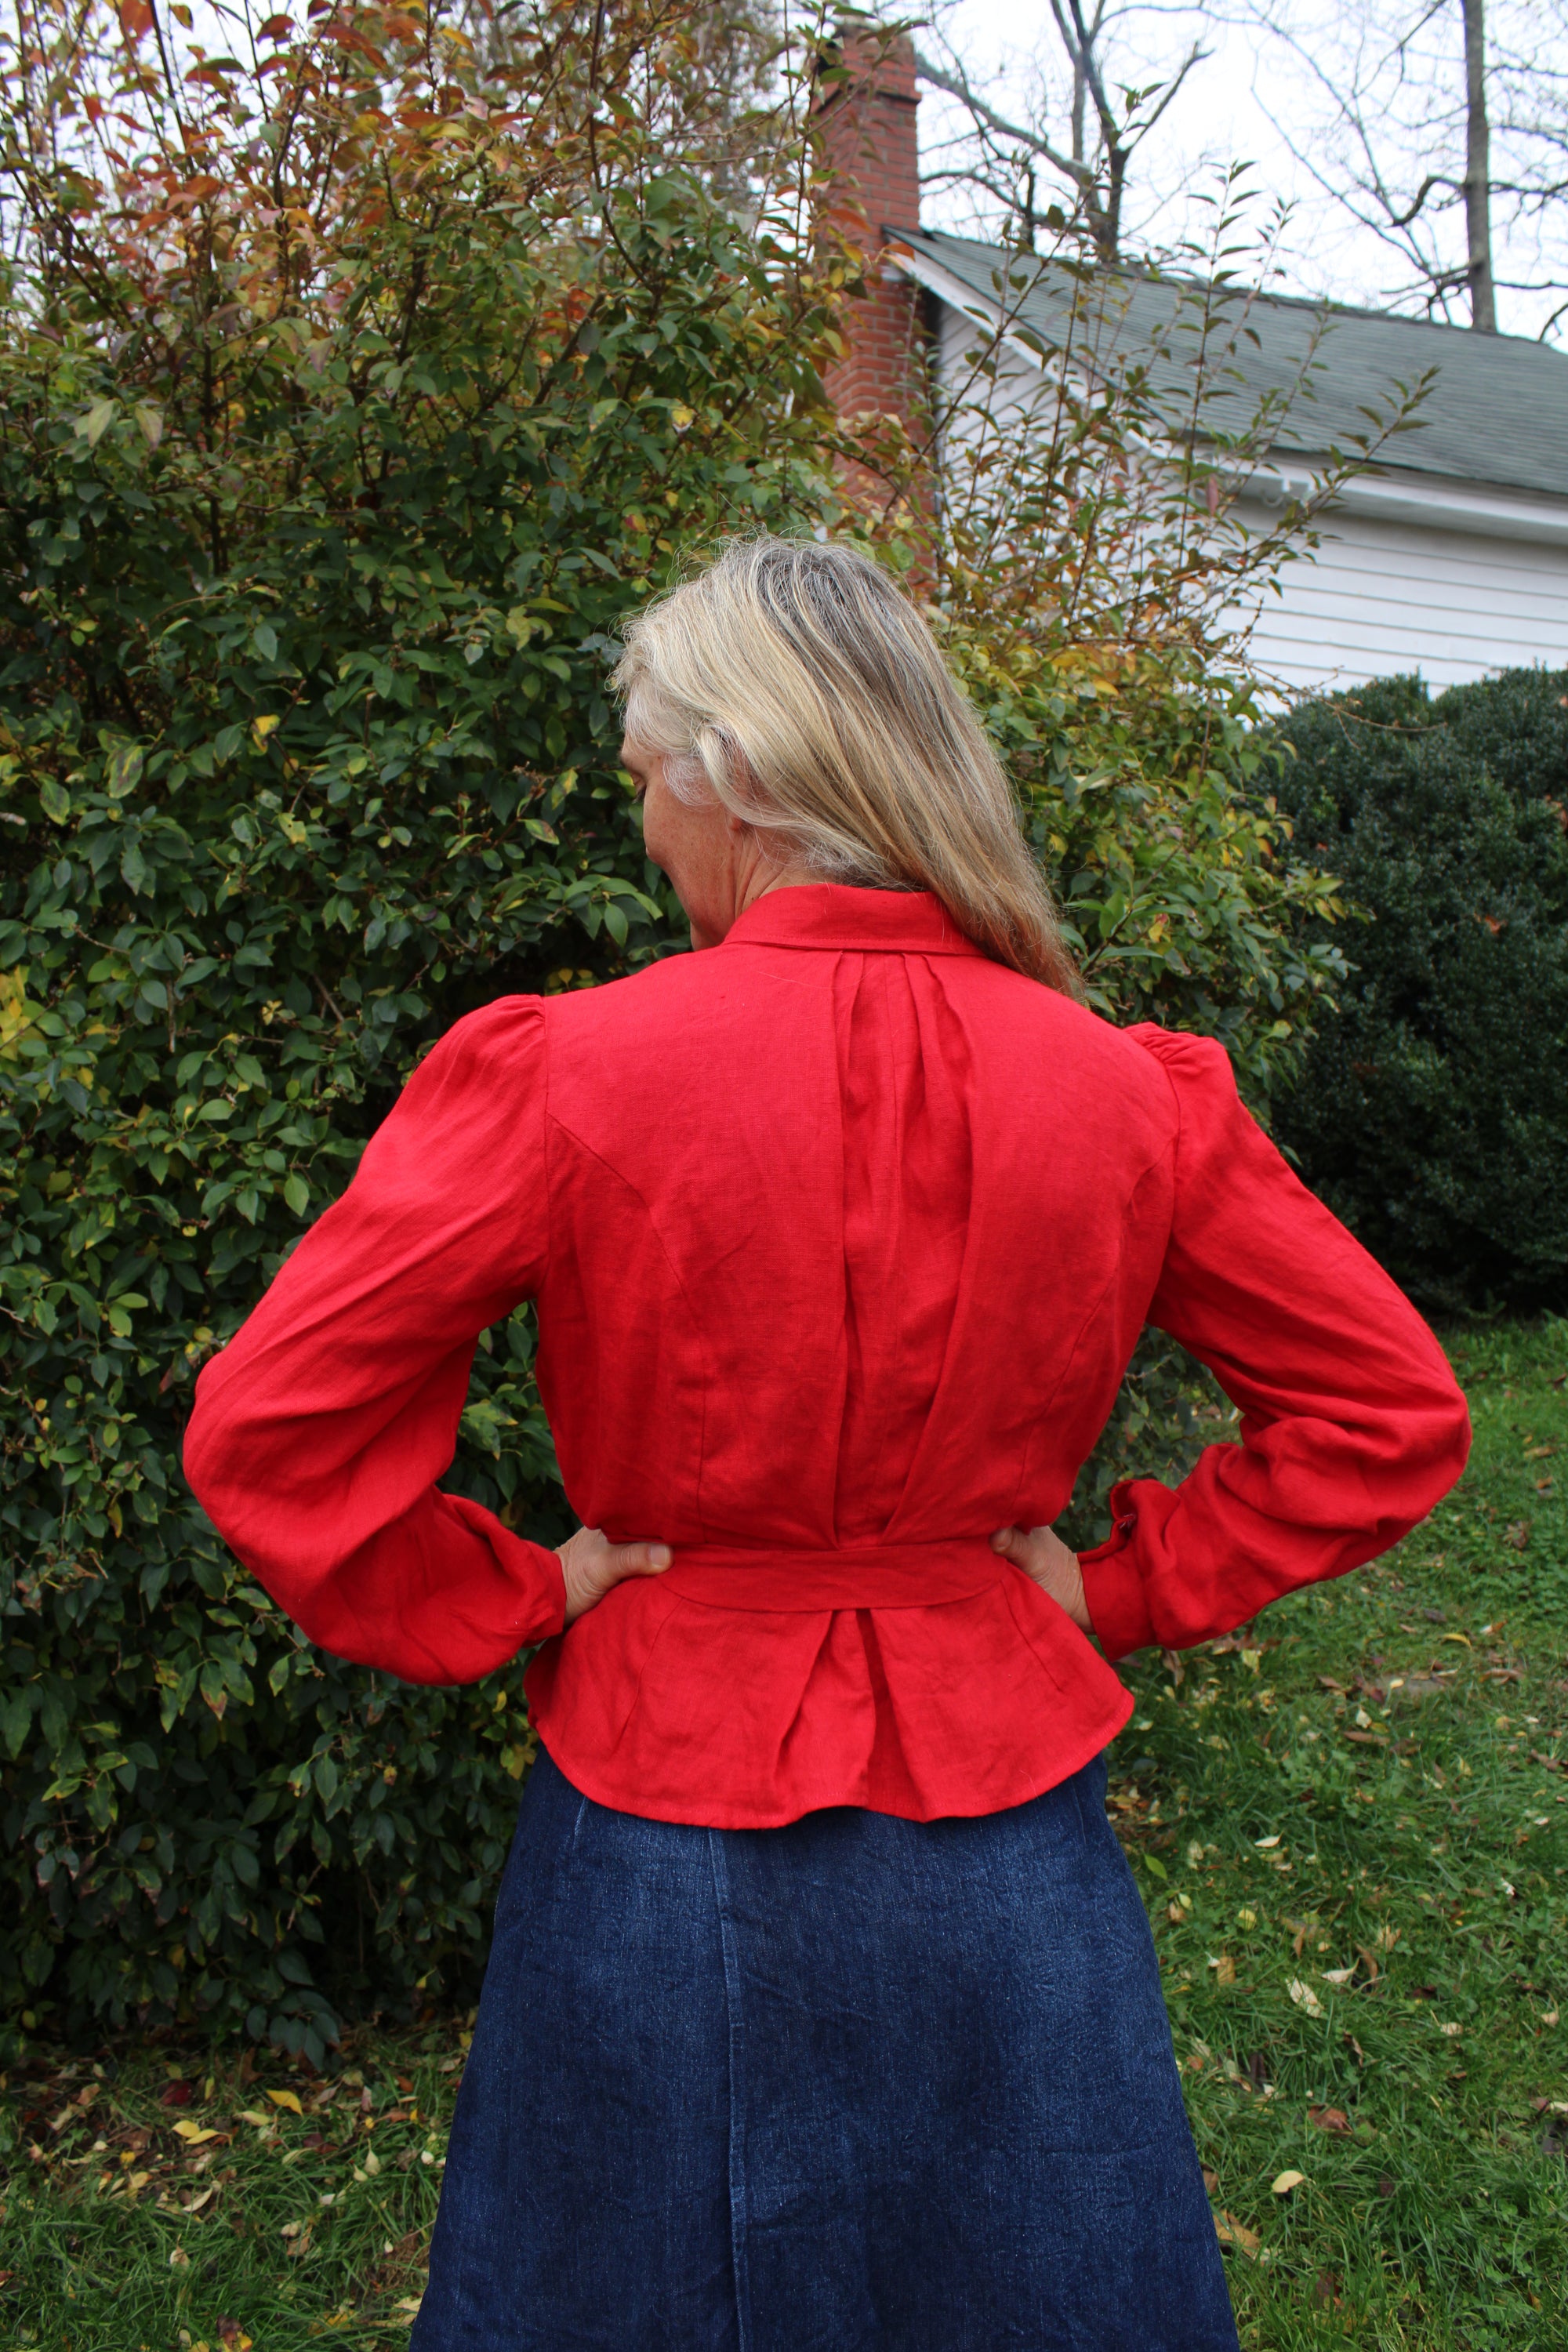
<point x="679" y="1710"/>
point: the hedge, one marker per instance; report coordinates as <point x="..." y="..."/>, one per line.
<point x="1432" y="1108"/>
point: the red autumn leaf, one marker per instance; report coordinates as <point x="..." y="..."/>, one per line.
<point x="135" y="18"/>
<point x="347" y="38"/>
<point x="1329" y="2119"/>
<point x="276" y="27"/>
<point x="178" y="2095"/>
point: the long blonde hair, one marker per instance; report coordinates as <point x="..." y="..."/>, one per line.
<point x="795" y="683"/>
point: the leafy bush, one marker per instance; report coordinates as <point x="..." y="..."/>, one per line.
<point x="344" y="408"/>
<point x="334" y="436"/>
<point x="1432" y="1109"/>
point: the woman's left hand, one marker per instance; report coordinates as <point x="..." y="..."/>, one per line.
<point x="1041" y="1553"/>
<point x="594" y="1566"/>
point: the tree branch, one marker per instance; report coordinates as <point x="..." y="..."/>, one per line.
<point x="956" y="85"/>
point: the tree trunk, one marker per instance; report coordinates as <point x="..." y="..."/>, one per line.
<point x="1478" y="170"/>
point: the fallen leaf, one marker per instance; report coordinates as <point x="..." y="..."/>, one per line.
<point x="194" y="2133"/>
<point x="290" y="2099"/>
<point x="1211" y="2180"/>
<point x="178" y="2095"/>
<point x="1329" y="2119"/>
<point x="1385" y="2186"/>
<point x="1338" y="1976"/>
<point x="1232" y="2232"/>
<point x="1283" y="2182"/>
<point x="1459" y="1637"/>
<point x="1263" y="1844"/>
<point x="1304" y="1997"/>
<point x="178" y="2258"/>
<point x="255" y="2115"/>
<point x="1450" y="2031"/>
<point x="233" y="2335"/>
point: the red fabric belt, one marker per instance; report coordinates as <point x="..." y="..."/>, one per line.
<point x="880" y="1576"/>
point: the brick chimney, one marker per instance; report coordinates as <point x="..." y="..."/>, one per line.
<point x="869" y="142"/>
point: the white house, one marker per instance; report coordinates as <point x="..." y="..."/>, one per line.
<point x="1448" y="556"/>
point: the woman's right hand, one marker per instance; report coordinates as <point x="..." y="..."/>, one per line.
<point x="592" y="1565"/>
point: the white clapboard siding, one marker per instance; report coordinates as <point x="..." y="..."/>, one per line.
<point x="1380" y="598"/>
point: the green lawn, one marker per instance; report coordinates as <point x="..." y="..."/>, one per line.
<point x="1352" y="1827"/>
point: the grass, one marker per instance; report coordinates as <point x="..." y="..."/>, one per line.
<point x="157" y="2199"/>
<point x="1352" y="1831"/>
<point x="1352" y="1826"/>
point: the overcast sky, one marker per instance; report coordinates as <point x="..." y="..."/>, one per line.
<point x="1224" y="110"/>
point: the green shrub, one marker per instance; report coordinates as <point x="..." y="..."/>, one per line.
<point x="1432" y="1109"/>
<point x="310" y="554"/>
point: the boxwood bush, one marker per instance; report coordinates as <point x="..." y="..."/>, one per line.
<point x="1432" y="1108"/>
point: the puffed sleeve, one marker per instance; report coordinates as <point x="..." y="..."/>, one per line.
<point x="1352" y="1426"/>
<point x="319" y="1431"/>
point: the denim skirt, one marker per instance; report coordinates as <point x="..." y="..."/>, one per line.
<point x="855" y="2082"/>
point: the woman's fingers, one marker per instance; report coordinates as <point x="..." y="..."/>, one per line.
<point x="1041" y="1553"/>
<point x="592" y="1566"/>
<point x="642" y="1559"/>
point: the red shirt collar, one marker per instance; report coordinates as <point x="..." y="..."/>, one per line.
<point x="835" y="915"/>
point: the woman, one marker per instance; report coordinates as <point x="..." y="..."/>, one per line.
<point x="822" y="2009"/>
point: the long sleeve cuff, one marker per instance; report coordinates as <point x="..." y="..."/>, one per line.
<point x="536" y="1570"/>
<point x="1112" y="1588"/>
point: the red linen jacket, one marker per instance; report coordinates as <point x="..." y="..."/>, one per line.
<point x="841" y="1236"/>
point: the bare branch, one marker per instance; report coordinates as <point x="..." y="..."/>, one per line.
<point x="957" y="85"/>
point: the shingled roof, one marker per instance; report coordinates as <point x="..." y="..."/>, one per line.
<point x="1497" y="412"/>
